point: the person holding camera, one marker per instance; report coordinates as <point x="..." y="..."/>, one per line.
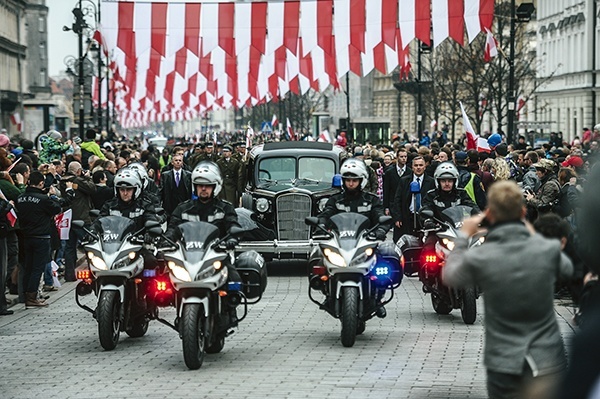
<point x="81" y="205"/>
<point x="549" y="192"/>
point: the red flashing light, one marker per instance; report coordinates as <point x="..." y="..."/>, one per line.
<point x="431" y="258"/>
<point x="319" y="270"/>
<point x="84" y="274"/>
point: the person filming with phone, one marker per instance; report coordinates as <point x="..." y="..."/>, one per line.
<point x="81" y="205"/>
<point x="516" y="269"/>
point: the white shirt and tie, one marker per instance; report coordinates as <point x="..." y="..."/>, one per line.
<point x="177" y="178"/>
<point x="417" y="197"/>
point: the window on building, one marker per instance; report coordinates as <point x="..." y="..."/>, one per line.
<point x="42" y="51"/>
<point x="42" y="24"/>
<point x="42" y="77"/>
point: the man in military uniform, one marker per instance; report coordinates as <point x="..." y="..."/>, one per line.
<point x="232" y="179"/>
<point x="241" y="156"/>
<point x="209" y="153"/>
<point x="194" y="158"/>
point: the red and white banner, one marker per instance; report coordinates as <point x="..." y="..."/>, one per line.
<point x="15" y="119"/>
<point x="175" y="60"/>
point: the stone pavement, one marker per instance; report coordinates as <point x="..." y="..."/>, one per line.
<point x="286" y="348"/>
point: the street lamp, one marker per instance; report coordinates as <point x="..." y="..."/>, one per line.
<point x="78" y="27"/>
<point x="521" y="14"/>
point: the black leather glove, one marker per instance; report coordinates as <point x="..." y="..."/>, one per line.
<point x="376" y="235"/>
<point x="429" y="224"/>
<point x="230" y="243"/>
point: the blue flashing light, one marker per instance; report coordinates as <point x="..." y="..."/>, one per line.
<point x="234" y="286"/>
<point x="336" y="181"/>
<point x="382" y="271"/>
<point x="149" y="273"/>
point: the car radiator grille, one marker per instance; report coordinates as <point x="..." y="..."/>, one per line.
<point x="292" y="209"/>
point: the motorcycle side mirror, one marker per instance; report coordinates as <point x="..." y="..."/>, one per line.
<point x="155" y="231"/>
<point x="236" y="231"/>
<point x="384" y="219"/>
<point x="78" y="223"/>
<point x="95" y="213"/>
<point x="151" y="224"/>
<point x="312" y="221"/>
<point x="428" y="213"/>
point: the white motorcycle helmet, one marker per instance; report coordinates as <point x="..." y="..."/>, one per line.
<point x="128" y="178"/>
<point x="445" y="170"/>
<point x="207" y="173"/>
<point x="142" y="172"/>
<point x="355" y="168"/>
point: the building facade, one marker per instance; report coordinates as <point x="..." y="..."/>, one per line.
<point x="13" y="47"/>
<point x="568" y="40"/>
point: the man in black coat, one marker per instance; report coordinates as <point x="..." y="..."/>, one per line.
<point x="175" y="185"/>
<point x="403" y="209"/>
<point x="391" y="179"/>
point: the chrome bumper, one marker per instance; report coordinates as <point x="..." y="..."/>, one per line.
<point x="277" y="249"/>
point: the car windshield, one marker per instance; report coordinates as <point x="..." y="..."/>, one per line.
<point x="286" y="168"/>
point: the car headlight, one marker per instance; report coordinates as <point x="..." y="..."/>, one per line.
<point x="179" y="272"/>
<point x="97" y="262"/>
<point x="363" y="257"/>
<point x="321" y="204"/>
<point x="448" y="243"/>
<point x="262" y="205"/>
<point x="334" y="257"/>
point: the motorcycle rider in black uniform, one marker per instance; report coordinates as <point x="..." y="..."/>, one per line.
<point x="355" y="177"/>
<point x="130" y="203"/>
<point x="446" y="194"/>
<point x="204" y="206"/>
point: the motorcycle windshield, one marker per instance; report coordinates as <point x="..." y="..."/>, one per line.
<point x="456" y="214"/>
<point x="348" y="227"/>
<point x="196" y="238"/>
<point x="113" y="230"/>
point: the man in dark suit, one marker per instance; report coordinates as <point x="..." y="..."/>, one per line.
<point x="403" y="209"/>
<point x="391" y="178"/>
<point x="175" y="185"/>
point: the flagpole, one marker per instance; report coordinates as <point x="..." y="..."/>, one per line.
<point x="511" y="75"/>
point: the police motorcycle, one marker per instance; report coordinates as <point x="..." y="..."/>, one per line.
<point x="114" y="272"/>
<point x="428" y="256"/>
<point x="197" y="281"/>
<point x="353" y="271"/>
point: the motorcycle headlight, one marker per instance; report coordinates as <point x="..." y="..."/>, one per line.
<point x="448" y="243"/>
<point x="363" y="257"/>
<point x="334" y="257"/>
<point x="262" y="205"/>
<point x="97" y="262"/>
<point x="179" y="272"/>
<point x="321" y="204"/>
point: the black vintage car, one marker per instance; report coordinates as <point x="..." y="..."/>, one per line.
<point x="287" y="181"/>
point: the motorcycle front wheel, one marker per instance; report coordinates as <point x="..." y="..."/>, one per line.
<point x="468" y="306"/>
<point x="109" y="322"/>
<point x="349" y="315"/>
<point x="193" y="335"/>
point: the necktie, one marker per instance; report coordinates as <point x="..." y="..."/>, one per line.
<point x="177" y="179"/>
<point x="418" y="197"/>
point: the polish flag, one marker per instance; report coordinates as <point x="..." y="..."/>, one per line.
<point x="274" y="121"/>
<point x="15" y="119"/>
<point x="11" y="216"/>
<point x="491" y="47"/>
<point x="474" y="142"/>
<point x="290" y="131"/>
<point x="471" y="136"/>
<point x="325" y="137"/>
